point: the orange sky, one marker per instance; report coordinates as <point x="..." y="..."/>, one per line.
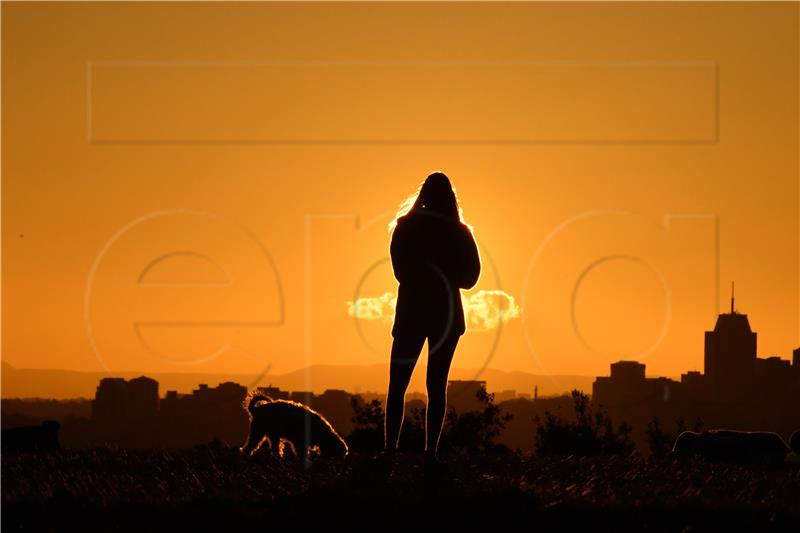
<point x="203" y="187"/>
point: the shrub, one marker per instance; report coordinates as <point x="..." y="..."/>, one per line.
<point x="475" y="431"/>
<point x="592" y="432"/>
<point x="367" y="435"/>
<point x="412" y="435"/>
<point x="471" y="432"/>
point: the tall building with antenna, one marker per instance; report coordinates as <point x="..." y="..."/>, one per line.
<point x="730" y="354"/>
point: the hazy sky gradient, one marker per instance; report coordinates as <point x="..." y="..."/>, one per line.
<point x="163" y="210"/>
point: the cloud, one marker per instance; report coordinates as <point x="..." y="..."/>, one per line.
<point x="483" y="311"/>
<point x="374" y="307"/>
<point x="487" y="310"/>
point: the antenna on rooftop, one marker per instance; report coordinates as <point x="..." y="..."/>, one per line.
<point x="732" y="311"/>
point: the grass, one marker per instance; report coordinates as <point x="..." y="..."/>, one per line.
<point x="215" y="488"/>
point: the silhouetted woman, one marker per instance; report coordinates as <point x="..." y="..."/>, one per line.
<point x="434" y="255"/>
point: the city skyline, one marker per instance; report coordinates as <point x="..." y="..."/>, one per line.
<point x="557" y="384"/>
<point x="731" y="362"/>
<point x="735" y="389"/>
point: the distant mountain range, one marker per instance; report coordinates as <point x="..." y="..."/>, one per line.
<point x="62" y="384"/>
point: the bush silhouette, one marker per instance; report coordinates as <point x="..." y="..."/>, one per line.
<point x="475" y="431"/>
<point x="412" y="437"/>
<point x="470" y="432"/>
<point x="592" y="432"/>
<point x="367" y="435"/>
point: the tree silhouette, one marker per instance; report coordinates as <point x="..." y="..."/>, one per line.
<point x="412" y="438"/>
<point x="592" y="432"/>
<point x="367" y="435"/>
<point x="467" y="433"/>
<point x="475" y="431"/>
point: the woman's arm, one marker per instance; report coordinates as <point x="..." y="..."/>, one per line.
<point x="469" y="264"/>
<point x="402" y="265"/>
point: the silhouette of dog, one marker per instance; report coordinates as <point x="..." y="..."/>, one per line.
<point x="794" y="442"/>
<point x="733" y="446"/>
<point x="290" y="422"/>
<point x="43" y="438"/>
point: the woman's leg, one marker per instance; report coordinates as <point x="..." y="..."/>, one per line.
<point x="405" y="352"/>
<point x="438" y="369"/>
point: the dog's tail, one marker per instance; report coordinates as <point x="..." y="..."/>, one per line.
<point x="253" y="399"/>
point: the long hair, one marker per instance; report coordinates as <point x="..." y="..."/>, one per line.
<point x="436" y="194"/>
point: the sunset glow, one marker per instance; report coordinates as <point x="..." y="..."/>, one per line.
<point x="209" y="190"/>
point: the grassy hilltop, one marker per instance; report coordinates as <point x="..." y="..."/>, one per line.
<point x="215" y="487"/>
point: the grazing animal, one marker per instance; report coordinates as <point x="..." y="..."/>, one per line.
<point x="43" y="438"/>
<point x="733" y="446"/>
<point x="291" y="422"/>
<point x="794" y="442"/>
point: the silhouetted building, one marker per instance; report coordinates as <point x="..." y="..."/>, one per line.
<point x="462" y="395"/>
<point x="730" y="355"/>
<point x="335" y="405"/>
<point x="304" y="397"/>
<point x="333" y="396"/>
<point x="504" y="396"/>
<point x="693" y="378"/>
<point x="273" y="392"/>
<point x="117" y="400"/>
<point x="627" y="386"/>
<point x="170" y="402"/>
<point x="230" y="391"/>
<point x="796" y="358"/>
<point x="207" y="413"/>
<point x="142" y="397"/>
<point x="109" y="399"/>
<point x="734" y="374"/>
<point x="695" y="385"/>
<point x="204" y="397"/>
<point x="627" y="371"/>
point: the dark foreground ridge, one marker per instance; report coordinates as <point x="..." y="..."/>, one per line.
<point x="216" y="488"/>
